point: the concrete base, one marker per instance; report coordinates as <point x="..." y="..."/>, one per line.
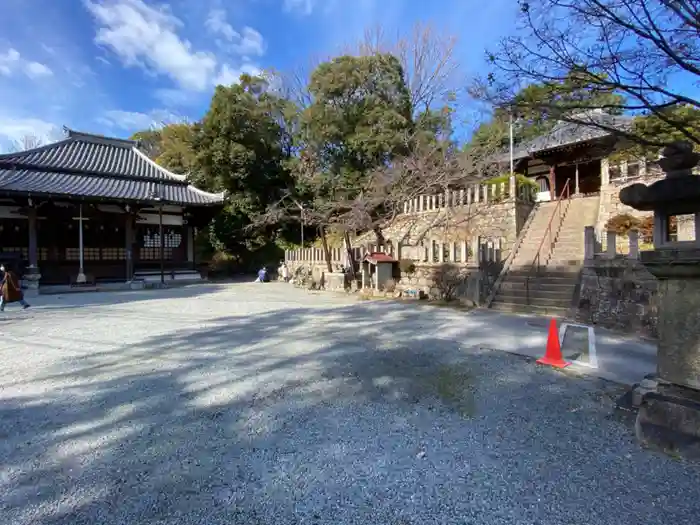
<point x="336" y="281"/>
<point x="669" y="419"/>
<point x="80" y="279"/>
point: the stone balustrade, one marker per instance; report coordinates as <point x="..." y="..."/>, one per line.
<point x="592" y="250"/>
<point x="431" y="251"/>
<point x="315" y="255"/>
<point x="473" y="194"/>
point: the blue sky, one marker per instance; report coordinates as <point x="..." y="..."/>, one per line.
<point x="116" y="66"/>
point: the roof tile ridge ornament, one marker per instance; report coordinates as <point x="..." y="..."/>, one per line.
<point x="98" y="139"/>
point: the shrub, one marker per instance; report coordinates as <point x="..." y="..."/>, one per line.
<point x="622" y="224"/>
<point x="222" y="263"/>
<point x="390" y="286"/>
<point x="407" y="266"/>
<point x="646" y="228"/>
<point x="449" y="279"/>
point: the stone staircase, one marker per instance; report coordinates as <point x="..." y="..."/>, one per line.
<point x="551" y="290"/>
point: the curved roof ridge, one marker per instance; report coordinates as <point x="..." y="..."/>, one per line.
<point x="158" y="167"/>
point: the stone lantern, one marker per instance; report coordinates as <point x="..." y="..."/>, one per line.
<point x="669" y="411"/>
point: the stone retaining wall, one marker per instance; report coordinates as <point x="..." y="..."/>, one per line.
<point x="618" y="293"/>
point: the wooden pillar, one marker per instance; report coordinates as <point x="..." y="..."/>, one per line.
<point x="32" y="227"/>
<point x="129" y="244"/>
<point x="553" y="182"/>
<point x="81" y="279"/>
<point x="32" y="276"/>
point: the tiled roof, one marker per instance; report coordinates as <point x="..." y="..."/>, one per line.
<point x="568" y="133"/>
<point x="86" y="165"/>
<point x="90" y="186"/>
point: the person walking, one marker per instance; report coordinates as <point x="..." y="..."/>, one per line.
<point x="10" y="290"/>
<point x="285" y="273"/>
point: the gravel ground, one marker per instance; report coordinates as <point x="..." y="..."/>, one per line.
<point x="262" y="404"/>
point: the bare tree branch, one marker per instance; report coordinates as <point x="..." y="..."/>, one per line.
<point x="428" y="59"/>
<point x="646" y="50"/>
<point x="27" y="142"/>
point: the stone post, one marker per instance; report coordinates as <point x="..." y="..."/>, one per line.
<point x="512" y="186"/>
<point x="633" y="237"/>
<point x="611" y="246"/>
<point x="669" y="411"/>
<point x="589" y="243"/>
<point x="476" y="243"/>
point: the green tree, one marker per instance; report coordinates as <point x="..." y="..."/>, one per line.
<point x="149" y="142"/>
<point x="646" y="50"/>
<point x="242" y="147"/>
<point x="177" y="148"/>
<point x="663" y="127"/>
<point x="358" y="121"/>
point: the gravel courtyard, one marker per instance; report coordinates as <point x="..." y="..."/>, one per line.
<point x="263" y="404"/>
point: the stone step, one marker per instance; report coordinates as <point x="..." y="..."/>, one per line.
<point x="552" y="270"/>
<point x="549" y="283"/>
<point x="556" y="287"/>
<point x="548" y="311"/>
<point x="560" y="297"/>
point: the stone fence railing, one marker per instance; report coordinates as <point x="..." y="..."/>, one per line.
<point x="473" y="194"/>
<point x="593" y="250"/>
<point x="338" y="255"/>
<point x="477" y="249"/>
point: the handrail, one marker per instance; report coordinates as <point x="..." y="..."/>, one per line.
<point x="557" y="212"/>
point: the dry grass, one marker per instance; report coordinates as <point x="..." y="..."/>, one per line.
<point x="455" y="388"/>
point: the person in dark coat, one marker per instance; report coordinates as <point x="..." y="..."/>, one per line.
<point x="10" y="290"/>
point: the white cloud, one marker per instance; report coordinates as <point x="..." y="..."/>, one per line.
<point x="302" y="7"/>
<point x="216" y="24"/>
<point x="37" y="70"/>
<point x="134" y="120"/>
<point x="9" y="61"/>
<point x="14" y="129"/>
<point x="12" y="62"/>
<point x="247" y="43"/>
<point x="141" y="35"/>
<point x="251" y="43"/>
<point x="146" y="36"/>
<point x="230" y="75"/>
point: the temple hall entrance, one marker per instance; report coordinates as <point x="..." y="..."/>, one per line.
<point x="584" y="177"/>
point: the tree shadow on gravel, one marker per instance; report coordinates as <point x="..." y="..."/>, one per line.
<point x="356" y="414"/>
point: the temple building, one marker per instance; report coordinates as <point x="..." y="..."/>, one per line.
<point x="576" y="154"/>
<point x="91" y="209"/>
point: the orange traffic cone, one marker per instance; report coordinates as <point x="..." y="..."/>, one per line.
<point x="552" y="355"/>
